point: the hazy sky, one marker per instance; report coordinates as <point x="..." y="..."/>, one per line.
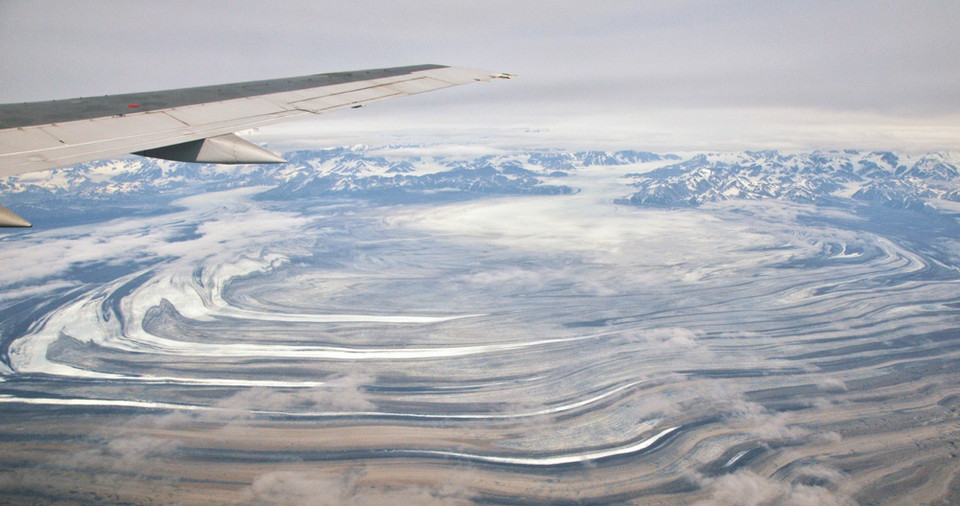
<point x="669" y="74"/>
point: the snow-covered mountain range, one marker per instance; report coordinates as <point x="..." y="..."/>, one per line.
<point x="406" y="172"/>
<point x="819" y="177"/>
<point x="337" y="172"/>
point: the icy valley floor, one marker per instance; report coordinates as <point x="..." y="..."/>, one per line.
<point x="514" y="349"/>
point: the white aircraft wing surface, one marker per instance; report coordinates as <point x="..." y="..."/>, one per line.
<point x="196" y="124"/>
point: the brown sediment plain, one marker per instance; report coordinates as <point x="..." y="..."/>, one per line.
<point x="758" y="354"/>
<point x="850" y="448"/>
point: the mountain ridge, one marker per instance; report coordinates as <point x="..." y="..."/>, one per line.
<point x="657" y="180"/>
<point x="815" y="177"/>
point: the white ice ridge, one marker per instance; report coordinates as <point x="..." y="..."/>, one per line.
<point x="425" y="416"/>
<point x="9" y="399"/>
<point x="334" y="318"/>
<point x="81" y="320"/>
<point x="5" y="398"/>
<point x="552" y="461"/>
<point x="157" y="345"/>
<point x="33" y="359"/>
<point x="217" y="382"/>
<point x="735" y="458"/>
<point x="205" y="302"/>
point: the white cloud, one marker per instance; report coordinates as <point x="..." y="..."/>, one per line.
<point x="828" y="384"/>
<point x="747" y="488"/>
<point x="133" y="453"/>
<point x="664" y="338"/>
<point x="338" y="394"/>
<point x="35" y="288"/>
<point x="293" y="487"/>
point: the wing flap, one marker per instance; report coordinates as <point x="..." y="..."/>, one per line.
<point x="26" y="140"/>
<point x="346" y="99"/>
<point x="414" y="86"/>
<point x="230" y="110"/>
<point x="106" y="129"/>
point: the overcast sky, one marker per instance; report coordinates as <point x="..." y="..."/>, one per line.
<point x="660" y="75"/>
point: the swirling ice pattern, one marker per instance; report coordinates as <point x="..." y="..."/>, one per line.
<point x="772" y="347"/>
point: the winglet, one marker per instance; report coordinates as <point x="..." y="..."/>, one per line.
<point x="220" y="149"/>
<point x="8" y="219"/>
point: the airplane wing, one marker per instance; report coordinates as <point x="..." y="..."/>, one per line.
<point x="196" y="124"/>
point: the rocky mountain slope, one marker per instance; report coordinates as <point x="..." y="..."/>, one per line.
<point x="819" y="177"/>
<point x="399" y="172"/>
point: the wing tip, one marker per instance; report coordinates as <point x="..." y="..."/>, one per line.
<point x="10" y="220"/>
